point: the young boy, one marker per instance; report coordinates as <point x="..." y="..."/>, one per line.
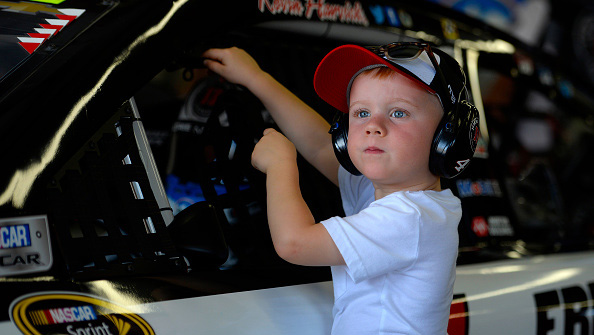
<point x="393" y="256"/>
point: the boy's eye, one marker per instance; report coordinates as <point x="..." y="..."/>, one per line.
<point x="397" y="114"/>
<point x="362" y="114"/>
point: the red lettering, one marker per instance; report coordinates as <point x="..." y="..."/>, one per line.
<point x="287" y="7"/>
<point x="211" y="96"/>
<point x="458" y="324"/>
<point x="347" y="13"/>
<point x="57" y="315"/>
<point x="68" y="315"/>
<point x="332" y="12"/>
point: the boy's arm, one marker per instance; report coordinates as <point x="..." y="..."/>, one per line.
<point x="296" y="236"/>
<point x="300" y="123"/>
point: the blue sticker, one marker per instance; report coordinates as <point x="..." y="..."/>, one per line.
<point x="16" y="236"/>
<point x="392" y="15"/>
<point x="378" y="14"/>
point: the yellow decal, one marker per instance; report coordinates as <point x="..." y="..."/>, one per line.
<point x="450" y="29"/>
<point x="54" y="2"/>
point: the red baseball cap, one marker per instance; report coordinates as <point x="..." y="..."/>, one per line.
<point x="337" y="71"/>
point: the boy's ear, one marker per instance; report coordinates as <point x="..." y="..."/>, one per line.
<point x="340" y="132"/>
<point x="454" y="141"/>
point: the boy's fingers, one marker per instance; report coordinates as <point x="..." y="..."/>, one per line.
<point x="212" y="65"/>
<point x="212" y="54"/>
<point x="268" y="131"/>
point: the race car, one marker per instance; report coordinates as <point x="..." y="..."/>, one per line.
<point x="128" y="204"/>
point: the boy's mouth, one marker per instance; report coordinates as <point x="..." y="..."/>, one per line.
<point x="373" y="150"/>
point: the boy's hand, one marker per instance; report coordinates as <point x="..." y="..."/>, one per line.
<point x="273" y="150"/>
<point x="233" y="64"/>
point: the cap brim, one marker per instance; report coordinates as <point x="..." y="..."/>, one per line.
<point x="336" y="70"/>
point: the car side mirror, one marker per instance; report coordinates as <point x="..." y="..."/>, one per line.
<point x="197" y="232"/>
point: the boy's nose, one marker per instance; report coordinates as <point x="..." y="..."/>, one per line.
<point x="375" y="127"/>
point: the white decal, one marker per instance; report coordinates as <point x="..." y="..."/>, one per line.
<point x="462" y="164"/>
<point x="452" y="97"/>
<point x="474" y="133"/>
<point x="500" y="226"/>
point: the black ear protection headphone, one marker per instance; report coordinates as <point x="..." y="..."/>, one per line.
<point x="453" y="146"/>
<point x="340" y="134"/>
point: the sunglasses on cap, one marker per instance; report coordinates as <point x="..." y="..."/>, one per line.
<point x="403" y="51"/>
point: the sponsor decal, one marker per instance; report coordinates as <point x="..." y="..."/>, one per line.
<point x="480" y="227"/>
<point x="75" y="314"/>
<point x="496" y="226"/>
<point x="390" y="16"/>
<point x="405" y="18"/>
<point x="377" y="12"/>
<point x="15" y="236"/>
<point x="54" y="316"/>
<point x="346" y="13"/>
<point x="566" y="311"/>
<point x="24" y="245"/>
<point x="458" y="324"/>
<point x="500" y="226"/>
<point x="478" y="188"/>
<point x="481" y="148"/>
<point x="449" y="29"/>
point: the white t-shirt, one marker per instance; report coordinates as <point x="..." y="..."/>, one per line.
<point x="400" y="253"/>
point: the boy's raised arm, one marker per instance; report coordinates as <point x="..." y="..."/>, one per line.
<point x="300" y="123"/>
<point x="296" y="236"/>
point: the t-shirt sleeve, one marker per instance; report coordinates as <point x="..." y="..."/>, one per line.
<point x="377" y="240"/>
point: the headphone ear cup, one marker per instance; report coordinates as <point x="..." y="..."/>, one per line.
<point x="455" y="141"/>
<point x="339" y="132"/>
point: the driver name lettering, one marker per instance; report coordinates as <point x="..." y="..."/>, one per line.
<point x="345" y="13"/>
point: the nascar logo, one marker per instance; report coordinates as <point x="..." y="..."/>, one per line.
<point x="15" y="236"/>
<point x="76" y="314"/>
<point x="24" y="245"/>
<point x="63" y="315"/>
